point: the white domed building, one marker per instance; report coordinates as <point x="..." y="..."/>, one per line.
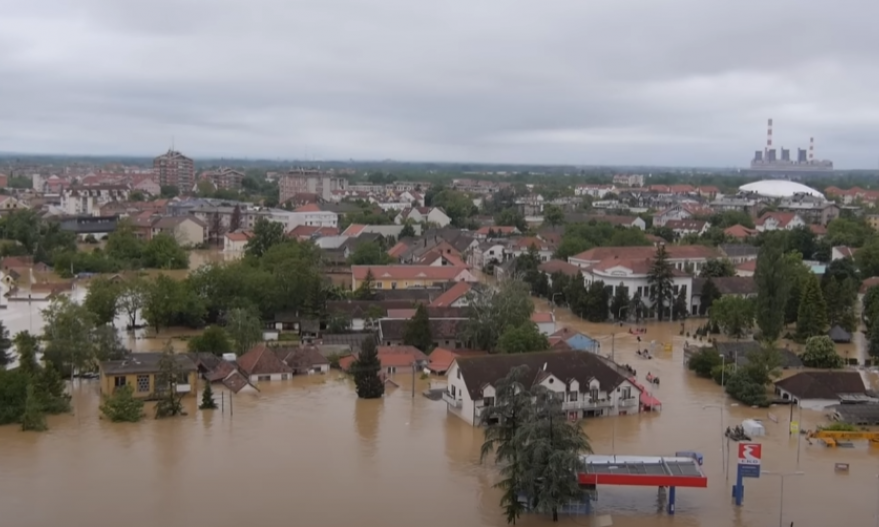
<point x="780" y="188"/>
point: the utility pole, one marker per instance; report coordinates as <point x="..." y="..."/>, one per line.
<point x="414" y="366"/>
<point x="782" y="476"/>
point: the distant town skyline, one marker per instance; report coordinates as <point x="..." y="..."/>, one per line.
<point x="676" y="83"/>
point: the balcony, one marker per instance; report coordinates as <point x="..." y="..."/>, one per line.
<point x="586" y="404"/>
<point x="451" y="401"/>
<point x="628" y="403"/>
<point x="184" y="388"/>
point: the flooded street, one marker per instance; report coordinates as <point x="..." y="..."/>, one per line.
<point x="308" y="452"/>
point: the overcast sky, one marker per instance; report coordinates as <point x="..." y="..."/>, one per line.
<point x="670" y="82"/>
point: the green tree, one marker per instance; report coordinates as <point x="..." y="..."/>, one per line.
<point x="870" y="306"/>
<point x="33" y="419"/>
<point x="235" y="219"/>
<point x="717" y="268"/>
<point x="812" y="315"/>
<point x="124" y="245"/>
<point x="13" y="392"/>
<point x="511" y="217"/>
<point x="27" y="346"/>
<point x="68" y="334"/>
<point x="734" y="315"/>
<point x="553" y="215"/>
<point x="163" y="252"/>
<point x="867" y="258"/>
<point x="5" y="344"/>
<point x="366" y="370"/>
<point x="364" y="290"/>
<point x="162" y="302"/>
<point x="408" y="231"/>
<point x="102" y="299"/>
<point x="659" y="278"/>
<point x="773" y="285"/>
<point x="245" y="329"/>
<point x="797" y="275"/>
<point x="122" y="406"/>
<point x="525" y="338"/>
<point x="505" y="423"/>
<point x="681" y="308"/>
<point x="873" y="338"/>
<point x="704" y="361"/>
<point x="131" y="298"/>
<point x="840" y="297"/>
<point x="214" y="340"/>
<point x="492" y="311"/>
<point x="207" y="398"/>
<point x="848" y="232"/>
<point x="266" y="234"/>
<point x="169" y="376"/>
<point x="594" y="306"/>
<point x="369" y="253"/>
<point x="553" y="453"/>
<point x="710" y="294"/>
<point x="170" y="191"/>
<point x="619" y="305"/>
<point x="821" y="353"/>
<point x="49" y="387"/>
<point x="417" y="330"/>
<point x="107" y="344"/>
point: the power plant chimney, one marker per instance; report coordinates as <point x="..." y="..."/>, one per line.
<point x="811" y="149"/>
<point x="769" y="136"/>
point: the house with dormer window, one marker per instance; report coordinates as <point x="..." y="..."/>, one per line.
<point x="409" y="276"/>
<point x="588" y="384"/>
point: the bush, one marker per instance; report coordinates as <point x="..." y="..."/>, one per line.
<point x="821" y="353"/>
<point x="704" y="361"/>
<point x="721" y="373"/>
<point x="743" y="388"/>
<point x="122" y="406"/>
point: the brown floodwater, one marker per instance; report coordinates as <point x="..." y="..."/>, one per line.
<point x="308" y="452"/>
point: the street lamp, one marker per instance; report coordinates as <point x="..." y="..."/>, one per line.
<point x="782" y="476"/>
<point x="720" y="409"/>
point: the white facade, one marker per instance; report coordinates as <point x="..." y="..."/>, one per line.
<point x="774" y="224"/>
<point x="272" y="377"/>
<point x="594" y="191"/>
<point x="636" y="282"/>
<point x="87" y="201"/>
<point x="580" y="401"/>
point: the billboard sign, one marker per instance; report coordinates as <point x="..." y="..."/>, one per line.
<point x="750" y="456"/>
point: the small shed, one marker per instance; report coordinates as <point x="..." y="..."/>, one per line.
<point x="839" y="335"/>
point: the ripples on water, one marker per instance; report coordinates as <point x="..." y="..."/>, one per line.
<point x="307" y="452"/>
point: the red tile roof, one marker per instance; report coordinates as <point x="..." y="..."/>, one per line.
<point x="310" y="207"/>
<point x="675" y="252"/>
<point x="750" y="265"/>
<point x="260" y="360"/>
<point x="241" y="236"/>
<point x="397" y="250"/>
<point x="541" y="318"/>
<point x="873" y="281"/>
<point x="354" y="230"/>
<point x="441" y="359"/>
<point x="739" y="231"/>
<point x="818" y="230"/>
<point x="783" y="218"/>
<point x="556" y="266"/>
<point x="499" y="229"/>
<point x="454" y="293"/>
<point x="390" y="356"/>
<point x="410" y="272"/>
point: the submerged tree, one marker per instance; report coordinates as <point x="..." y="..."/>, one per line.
<point x="505" y="421"/>
<point x="33" y="419"/>
<point x="207" y="398"/>
<point x="660" y="279"/>
<point x="366" y="371"/>
<point x="5" y="344"/>
<point x="123" y="406"/>
<point x="245" y="328"/>
<point x="773" y="279"/>
<point x="169" y="376"/>
<point x="417" y="330"/>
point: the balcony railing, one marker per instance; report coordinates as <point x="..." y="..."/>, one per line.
<point x="586" y="404"/>
<point x="629" y="402"/>
<point x="448" y="398"/>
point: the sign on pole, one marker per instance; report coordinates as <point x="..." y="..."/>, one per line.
<point x="750" y="455"/>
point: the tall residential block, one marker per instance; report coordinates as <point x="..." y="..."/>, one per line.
<point x="174" y="168"/>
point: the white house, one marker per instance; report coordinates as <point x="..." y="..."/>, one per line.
<point x="545" y="322"/>
<point x="486" y="252"/>
<point x="682" y="228"/>
<point x="589" y="385"/>
<point x="774" y="221"/>
<point x="423" y="215"/>
<point x="87" y="201"/>
<point x="681" y="257"/>
<point x="840" y="252"/>
<point x="633" y="274"/>
<point x="594" y="191"/>
<point x="234" y="242"/>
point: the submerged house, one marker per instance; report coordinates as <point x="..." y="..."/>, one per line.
<point x="141" y="372"/>
<point x="589" y="385"/>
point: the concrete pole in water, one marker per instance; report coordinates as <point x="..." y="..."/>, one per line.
<point x="414" y="365"/>
<point x="782" y="476"/>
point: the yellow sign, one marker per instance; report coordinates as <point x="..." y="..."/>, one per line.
<point x="795" y="427"/>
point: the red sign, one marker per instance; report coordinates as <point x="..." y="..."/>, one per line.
<point x="750" y="453"/>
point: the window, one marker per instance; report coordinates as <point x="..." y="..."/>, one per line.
<point x="627" y="393"/>
<point x="488" y="401"/>
<point x="263" y="378"/>
<point x="143" y="383"/>
<point x="283" y="376"/>
<point x="593" y="394"/>
<point x="459" y="374"/>
<point x="393" y="285"/>
<point x="392" y="369"/>
<point x="378" y="285"/>
<point x="573" y="396"/>
<point x="118" y="381"/>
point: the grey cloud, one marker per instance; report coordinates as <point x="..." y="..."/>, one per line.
<point x="674" y="82"/>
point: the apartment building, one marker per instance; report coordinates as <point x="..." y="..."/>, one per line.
<point x="310" y="181"/>
<point x="175" y="169"/>
<point x="87" y="201"/>
<point x="225" y="178"/>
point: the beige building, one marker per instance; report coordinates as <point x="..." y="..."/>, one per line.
<point x="187" y="230"/>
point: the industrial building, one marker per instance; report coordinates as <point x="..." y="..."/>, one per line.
<point x="779" y="162"/>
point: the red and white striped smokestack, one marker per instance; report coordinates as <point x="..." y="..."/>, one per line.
<point x="769" y="136"/>
<point x="811" y="149"/>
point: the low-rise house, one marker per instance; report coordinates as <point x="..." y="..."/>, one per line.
<point x="631" y="222"/>
<point x="739" y="252"/>
<point x="683" y="211"/>
<point x="520" y="246"/>
<point x="261" y="364"/>
<point x="727" y="285"/>
<point x="589" y="385"/>
<point x="495" y="231"/>
<point x="441" y="359"/>
<point x="433" y="215"/>
<point x="394" y="359"/>
<point x="446" y="333"/>
<point x="187" y="230"/>
<point x="352" y="341"/>
<point x="361" y="313"/>
<point x="775" y="221"/>
<point x="747" y="268"/>
<point x="683" y="228"/>
<point x="409" y="276"/>
<point x="140" y="371"/>
<point x="214" y="369"/>
<point x="817" y="390"/>
<point x="303" y="359"/>
<point x="575" y="340"/>
<point x="740" y="232"/>
<point x="841" y="252"/>
<point x="681" y="257"/>
<point x="234" y="242"/>
<point x="545" y="322"/>
<point x="488" y="253"/>
<point x="559" y="266"/>
<point x="455" y="296"/>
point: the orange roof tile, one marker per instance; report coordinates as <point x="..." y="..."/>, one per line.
<point x="310" y="207"/>
<point x="454" y="293"/>
<point x="411" y="272"/>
